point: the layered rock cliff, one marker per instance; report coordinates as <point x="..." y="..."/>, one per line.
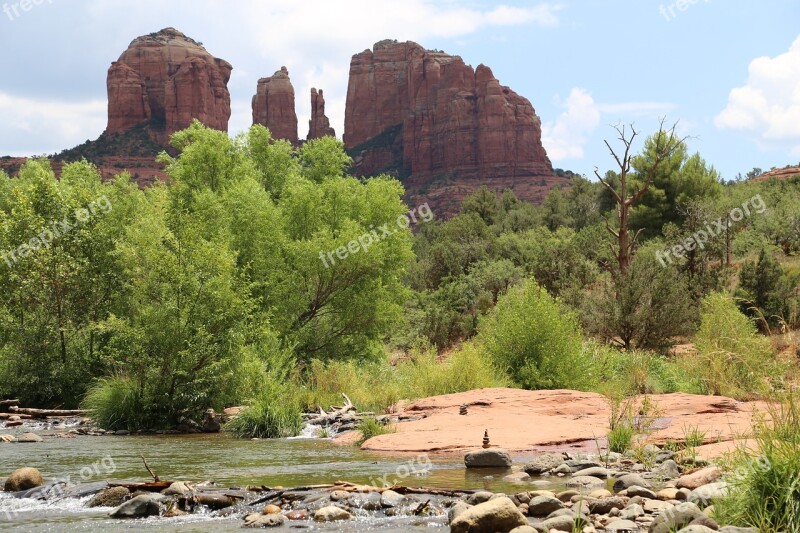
<point x="166" y="79"/>
<point x="442" y="127"/>
<point x="273" y="106"/>
<point x="319" y="125"/>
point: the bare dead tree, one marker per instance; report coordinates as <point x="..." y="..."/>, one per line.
<point x="666" y="143"/>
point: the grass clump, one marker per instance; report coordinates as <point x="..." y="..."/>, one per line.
<point x="275" y="413"/>
<point x="372" y="427"/>
<point x="115" y="403"/>
<point x="765" y="490"/>
<point x="732" y="358"/>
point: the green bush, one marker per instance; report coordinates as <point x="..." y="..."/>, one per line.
<point x="732" y="358"/>
<point x="276" y="413"/>
<point x="765" y="490"/>
<point x="371" y="427"/>
<point x="536" y="339"/>
<point x="116" y="403"/>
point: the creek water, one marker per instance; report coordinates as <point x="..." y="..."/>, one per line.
<point x="227" y="461"/>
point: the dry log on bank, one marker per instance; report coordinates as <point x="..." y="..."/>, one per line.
<point x="44" y="413"/>
<point x="6" y="416"/>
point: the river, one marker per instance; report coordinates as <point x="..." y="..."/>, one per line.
<point x="225" y="460"/>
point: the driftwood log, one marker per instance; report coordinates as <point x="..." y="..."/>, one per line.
<point x="44" y="413"/>
<point x="6" y="416"/>
<point x="326" y="419"/>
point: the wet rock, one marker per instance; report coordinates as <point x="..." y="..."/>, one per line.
<point x="331" y="513"/>
<point x="271" y="509"/>
<point x="699" y="478"/>
<point x="111" y="497"/>
<point x="543" y="506"/>
<point x="214" y="501"/>
<point x="256" y="520"/>
<point x="297" y="514"/>
<point x="630" y="480"/>
<point x="499" y="514"/>
<point x="479" y="497"/>
<point x="490" y="458"/>
<point x="122" y="432"/>
<point x="210" y="423"/>
<point x="543" y="463"/>
<point x="703" y="496"/>
<point x="23" y="479"/>
<point x="456" y="510"/>
<point x="517" y="477"/>
<point x="179" y="488"/>
<point x="7" y="438"/>
<point x="368" y="502"/>
<point x="676" y="518"/>
<point x="138" y="507"/>
<point x="390" y="498"/>
<point x="337" y="495"/>
<point x="29" y="437"/>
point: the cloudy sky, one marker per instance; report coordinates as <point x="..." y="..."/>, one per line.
<point x="728" y="70"/>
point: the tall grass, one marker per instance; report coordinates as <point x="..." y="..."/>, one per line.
<point x="765" y="491"/>
<point x="275" y="413"/>
<point x="116" y="403"/>
<point x="371" y="427"/>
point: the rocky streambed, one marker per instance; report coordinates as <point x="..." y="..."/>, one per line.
<point x="658" y="493"/>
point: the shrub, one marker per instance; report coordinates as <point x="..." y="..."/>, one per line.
<point x="765" y="490"/>
<point x="276" y="413"/>
<point x="116" y="403"/>
<point x="732" y="359"/>
<point x="535" y="339"/>
<point x="371" y="427"/>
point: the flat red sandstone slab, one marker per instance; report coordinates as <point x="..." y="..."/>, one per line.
<point x="532" y="421"/>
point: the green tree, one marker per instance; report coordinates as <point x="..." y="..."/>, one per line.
<point x="555" y="210"/>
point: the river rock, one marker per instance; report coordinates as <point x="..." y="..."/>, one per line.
<point x="138" y="507"/>
<point x="498" y="514"/>
<point x="559" y="523"/>
<point x="594" y="471"/>
<point x="456" y="510"/>
<point x="523" y="529"/>
<point x="390" y="498"/>
<point x="606" y="504"/>
<point x="703" y="496"/>
<point x="339" y="495"/>
<point x="676" y="518"/>
<point x="543" y="506"/>
<point x="29" y="437"/>
<point x="490" y="458"/>
<point x="669" y="493"/>
<point x="271" y="509"/>
<point x="667" y="470"/>
<point x="704" y="476"/>
<point x="210" y="423"/>
<point x="543" y="463"/>
<point x="369" y="502"/>
<point x="479" y="497"/>
<point x="697" y="529"/>
<point x="642" y="492"/>
<point x="585" y="482"/>
<point x="7" y="438"/>
<point x="632" y="512"/>
<point x="623" y="526"/>
<point x="23" y="479"/>
<point x="630" y="480"/>
<point x="256" y="520"/>
<point x="734" y="529"/>
<point x="111" y="497"/>
<point x="178" y="488"/>
<point x="214" y="501"/>
<point x="331" y="513"/>
<point x="297" y="514"/>
<point x="517" y="477"/>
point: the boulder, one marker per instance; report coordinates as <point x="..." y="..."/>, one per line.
<point x="543" y="463"/>
<point x="29" y="437"/>
<point x="496" y="515"/>
<point x="210" y="423"/>
<point x="256" y="520"/>
<point x="675" y="518"/>
<point x="489" y="458"/>
<point x="139" y="507"/>
<point x="631" y="480"/>
<point x="331" y="513"/>
<point x="23" y="479"/>
<point x="390" y="498"/>
<point x="585" y="482"/>
<point x="701" y="477"/>
<point x="559" y="523"/>
<point x="703" y="496"/>
<point x="111" y="497"/>
<point x="667" y="470"/>
<point x="543" y="505"/>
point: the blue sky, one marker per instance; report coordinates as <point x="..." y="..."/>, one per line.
<point x="729" y="70"/>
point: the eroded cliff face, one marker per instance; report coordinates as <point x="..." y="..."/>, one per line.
<point x="442" y="127"/>
<point x="274" y="107"/>
<point x="318" y="125"/>
<point x="167" y="79"/>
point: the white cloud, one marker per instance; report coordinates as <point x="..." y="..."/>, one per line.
<point x="565" y="137"/>
<point x="767" y="108"/>
<point x="63" y="124"/>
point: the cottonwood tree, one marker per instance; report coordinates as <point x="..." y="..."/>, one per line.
<point x="627" y="193"/>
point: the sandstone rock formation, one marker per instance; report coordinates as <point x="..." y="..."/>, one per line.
<point x="273" y="106"/>
<point x="441" y="126"/>
<point x="167" y="79"/>
<point x="319" y="125"/>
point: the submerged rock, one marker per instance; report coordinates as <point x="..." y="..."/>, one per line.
<point x="256" y="520"/>
<point x="331" y="513"/>
<point x="138" y="507"/>
<point x="111" y="497"/>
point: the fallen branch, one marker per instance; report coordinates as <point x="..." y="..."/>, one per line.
<point x="155" y="477"/>
<point x="43" y="413"/>
<point x="327" y="419"/>
<point x="9" y="402"/>
<point x="6" y="416"/>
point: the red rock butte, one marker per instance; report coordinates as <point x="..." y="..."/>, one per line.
<point x="166" y="79"/>
<point x="273" y="106"/>
<point x="443" y="128"/>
